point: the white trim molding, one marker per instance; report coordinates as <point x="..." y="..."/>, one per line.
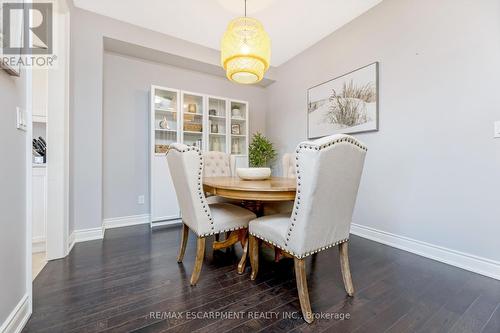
<point x="38" y="244"/>
<point x="71" y="242"/>
<point x="480" y="265"/>
<point x="18" y="318"/>
<point x="84" y="235"/>
<point x="125" y="221"/>
<point x="172" y="222"/>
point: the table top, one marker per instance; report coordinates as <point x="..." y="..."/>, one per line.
<point x="272" y="189"/>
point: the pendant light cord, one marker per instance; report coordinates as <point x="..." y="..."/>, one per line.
<point x="245" y="8"/>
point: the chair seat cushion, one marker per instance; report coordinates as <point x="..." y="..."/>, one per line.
<point x="229" y="217"/>
<point x="271" y="228"/>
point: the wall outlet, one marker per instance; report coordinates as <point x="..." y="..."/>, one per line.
<point x="140" y="199"/>
<point x="21" y="119"/>
<point x="497" y="129"/>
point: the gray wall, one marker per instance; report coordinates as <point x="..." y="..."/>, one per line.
<point x="127" y="83"/>
<point x="433" y="170"/>
<point x="86" y="87"/>
<point x="12" y="196"/>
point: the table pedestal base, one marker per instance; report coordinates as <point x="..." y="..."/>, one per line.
<point x="231" y="239"/>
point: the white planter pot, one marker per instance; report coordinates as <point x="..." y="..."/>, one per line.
<point x="253" y="173"/>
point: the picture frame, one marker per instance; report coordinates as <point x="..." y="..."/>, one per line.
<point x="235" y="129"/>
<point x="346" y="104"/>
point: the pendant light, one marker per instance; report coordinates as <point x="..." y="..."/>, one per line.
<point x="245" y="50"/>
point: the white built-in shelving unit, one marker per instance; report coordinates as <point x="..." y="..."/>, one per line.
<point x="211" y="123"/>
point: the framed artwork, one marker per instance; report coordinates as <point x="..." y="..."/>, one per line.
<point x="235" y="129"/>
<point x="346" y="104"/>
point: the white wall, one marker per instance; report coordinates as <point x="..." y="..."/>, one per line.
<point x="432" y="169"/>
<point x="432" y="172"/>
<point x="12" y="196"/>
<point x="127" y="83"/>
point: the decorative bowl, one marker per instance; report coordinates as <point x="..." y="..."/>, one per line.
<point x="253" y="173"/>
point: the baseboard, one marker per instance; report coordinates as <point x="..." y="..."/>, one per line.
<point x="125" y="221"/>
<point x="71" y="242"/>
<point x="84" y="235"/>
<point x="483" y="266"/>
<point x="38" y="244"/>
<point x="18" y="318"/>
<point x="173" y="222"/>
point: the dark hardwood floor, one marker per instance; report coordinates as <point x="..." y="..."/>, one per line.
<point x="131" y="282"/>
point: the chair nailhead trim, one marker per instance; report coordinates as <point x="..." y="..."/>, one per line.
<point x="203" y="200"/>
<point x="218" y="232"/>
<point x="303" y="255"/>
<point x="302" y="146"/>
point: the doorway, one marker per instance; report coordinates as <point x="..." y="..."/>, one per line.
<point x="39" y="102"/>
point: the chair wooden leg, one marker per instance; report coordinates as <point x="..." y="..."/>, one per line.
<point x="184" y="238"/>
<point x="243" y="260"/>
<point x="344" y="267"/>
<point x="254" y="256"/>
<point x="300" y="276"/>
<point x="200" y="253"/>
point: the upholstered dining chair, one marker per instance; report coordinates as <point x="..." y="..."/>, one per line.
<point x="328" y="176"/>
<point x="186" y="165"/>
<point x="288" y="171"/>
<point x="218" y="164"/>
<point x="288" y="165"/>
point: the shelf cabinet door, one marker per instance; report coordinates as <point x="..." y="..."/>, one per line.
<point x="165" y="118"/>
<point x="217" y="124"/>
<point x="192" y="119"/>
<point x="239" y="127"/>
<point x="165" y="129"/>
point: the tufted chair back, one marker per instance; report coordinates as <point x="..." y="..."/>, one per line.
<point x="328" y="176"/>
<point x="288" y="164"/>
<point x="186" y="165"/>
<point x="217" y="164"/>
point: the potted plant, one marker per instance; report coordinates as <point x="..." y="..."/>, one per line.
<point x="261" y="153"/>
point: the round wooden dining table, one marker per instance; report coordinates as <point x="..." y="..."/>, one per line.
<point x="272" y="189"/>
<point x="252" y="193"/>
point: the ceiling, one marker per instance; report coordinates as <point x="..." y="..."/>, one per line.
<point x="293" y="25"/>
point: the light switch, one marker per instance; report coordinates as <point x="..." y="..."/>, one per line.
<point x="21" y="119"/>
<point x="497" y="129"/>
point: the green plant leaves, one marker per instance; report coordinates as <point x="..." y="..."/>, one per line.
<point x="261" y="151"/>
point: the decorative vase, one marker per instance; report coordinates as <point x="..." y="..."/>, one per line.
<point x="236" y="113"/>
<point x="216" y="145"/>
<point x="164" y="123"/>
<point x="235" y="147"/>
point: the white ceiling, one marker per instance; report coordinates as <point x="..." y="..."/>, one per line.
<point x="293" y="25"/>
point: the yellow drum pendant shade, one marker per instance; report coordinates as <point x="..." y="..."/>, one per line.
<point x="245" y="50"/>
